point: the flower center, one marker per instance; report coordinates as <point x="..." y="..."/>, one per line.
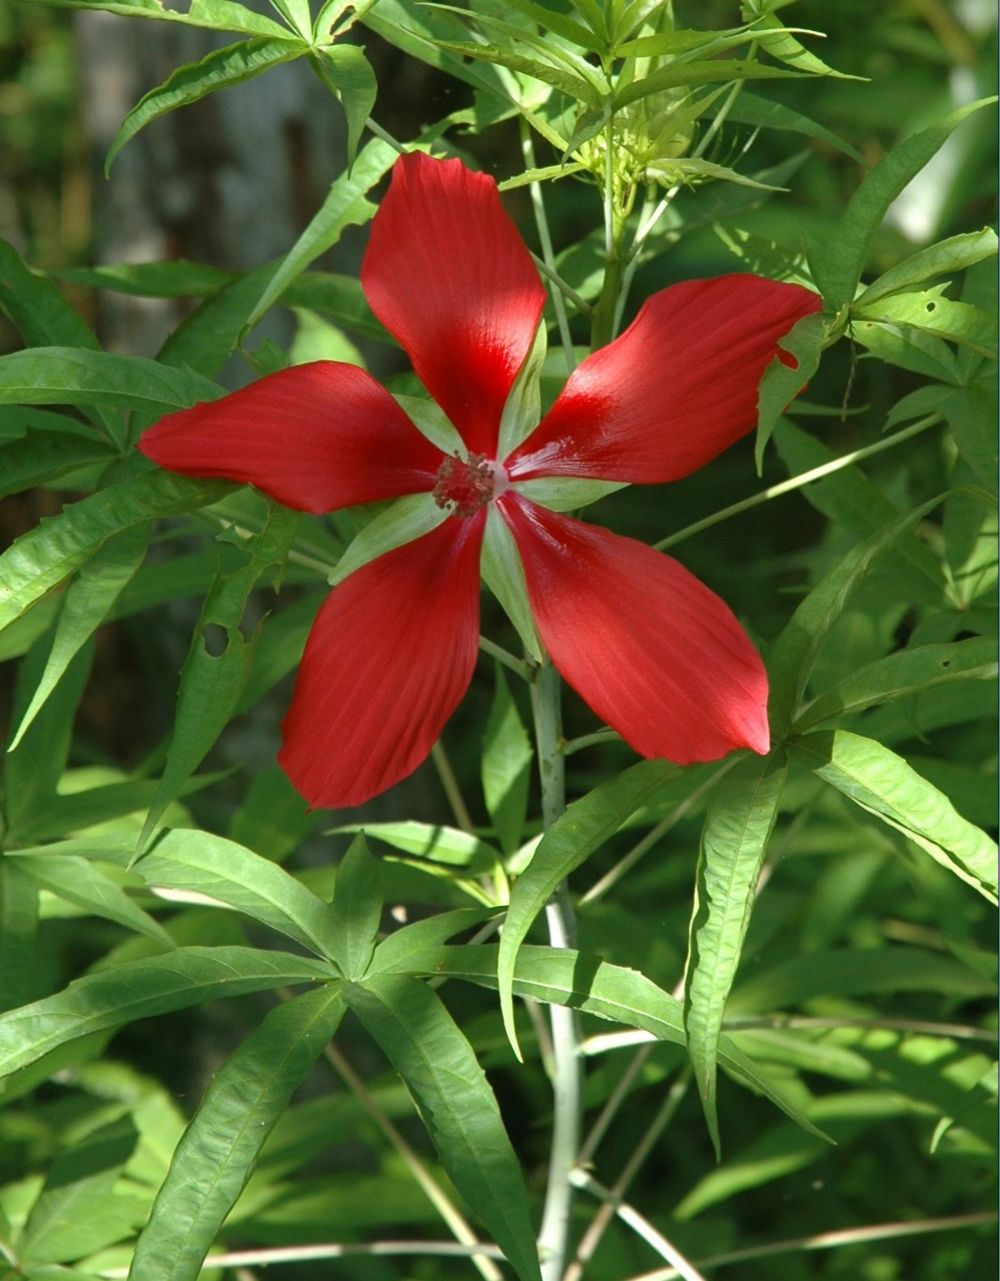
<point x="466" y="486"/>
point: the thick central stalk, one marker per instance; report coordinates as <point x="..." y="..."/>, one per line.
<point x="567" y="1077"/>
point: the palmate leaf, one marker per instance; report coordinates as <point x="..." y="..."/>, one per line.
<point x="741" y="815"/>
<point x="211" y="683"/>
<point x="357" y="910"/>
<point x="971" y="413"/>
<point x="217" y="15"/>
<point x="236" y="878"/>
<point x="456" y="1103"/>
<point x="121" y="994"/>
<point x="220" y="1147"/>
<point x="781" y="383"/>
<point x="930" y="312"/>
<point x="775" y="39"/>
<point x="85" y="884"/>
<point x="32" y="771"/>
<point x="580" y="832"/>
<point x="349" y="71"/>
<point x="435" y="841"/>
<point x="749" y="109"/>
<point x="42" y="456"/>
<point x="587" y="983"/>
<point x="900" y="675"/>
<point x="346" y="205"/>
<point x="794" y="652"/>
<point x="574" y="86"/>
<point x="78" y="1212"/>
<point x="44" y="318"/>
<point x="18" y="935"/>
<point x="86" y="604"/>
<point x="676" y="74"/>
<point x="506" y="766"/>
<point x="74" y="376"/>
<point x="47" y="554"/>
<point x="233" y="65"/>
<point x="883" y="784"/>
<point x="946" y="257"/>
<point x="838" y="263"/>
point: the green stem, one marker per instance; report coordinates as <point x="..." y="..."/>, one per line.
<point x="567" y="1076"/>
<point x="796" y="482"/>
<point x="545" y="240"/>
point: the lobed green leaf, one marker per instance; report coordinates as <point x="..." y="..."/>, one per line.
<point x="741" y="815"/>
<point x="140" y="989"/>
<point x="357" y="910"/>
<point x="456" y="1103"/>
<point x="883" y="784"/>
<point x="220" y="1148"/>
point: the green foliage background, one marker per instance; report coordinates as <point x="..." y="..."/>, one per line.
<point x="864" y="989"/>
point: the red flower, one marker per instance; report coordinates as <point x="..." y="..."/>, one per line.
<point x="657" y="655"/>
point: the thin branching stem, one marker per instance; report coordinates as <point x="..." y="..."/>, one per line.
<point x="797" y="482"/>
<point x="567" y="1076"/>
<point x="592" y="1237"/>
<point x="446" y="776"/>
<point x="545" y="240"/>
<point x="830" y="1241"/>
<point x="641" y="1226"/>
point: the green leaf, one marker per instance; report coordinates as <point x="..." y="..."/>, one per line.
<point x="86" y="604"/>
<point x="781" y="383"/>
<point x="580" y="832"/>
<point x="456" y="1103"/>
<point x="338" y="298"/>
<point x="175" y="278"/>
<point x="971" y="413"/>
<point x="217" y="15"/>
<point x="741" y="816"/>
<point x="840" y="260"/>
<point x="357" y="910"/>
<point x="947" y="256"/>
<point x="82" y="882"/>
<point x="883" y="784"/>
<point x="400" y="952"/>
<point x="865" y="971"/>
<point x="40" y="457"/>
<point x="33" y="770"/>
<point x="221" y="1146"/>
<point x="401" y="522"/>
<point x="748" y="109"/>
<point x="18" y="935"/>
<point x="675" y="74"/>
<point x="44" y="318"/>
<point x="235" y="878"/>
<point x="232" y="65"/>
<point x="506" y="766"/>
<point x="594" y="986"/>
<point x="930" y="312"/>
<point x="346" y="205"/>
<point x="576" y="87"/>
<point x="900" y="675"/>
<point x="347" y="69"/>
<point x="434" y="841"/>
<point x="77" y="1213"/>
<point x="140" y="989"/>
<point x="47" y="554"/>
<point x="218" y="662"/>
<point x="857" y="506"/>
<point x="503" y="574"/>
<point x="795" y="650"/>
<point x="774" y="39"/>
<point x="72" y="376"/>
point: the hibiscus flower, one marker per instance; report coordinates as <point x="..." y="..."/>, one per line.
<point x="657" y="655"/>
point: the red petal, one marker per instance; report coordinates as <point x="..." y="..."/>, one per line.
<point x="448" y="274"/>
<point x="316" y="437"/>
<point x="657" y="656"/>
<point x="676" y="389"/>
<point x="388" y="659"/>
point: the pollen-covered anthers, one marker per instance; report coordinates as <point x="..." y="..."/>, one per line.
<point x="467" y="485"/>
